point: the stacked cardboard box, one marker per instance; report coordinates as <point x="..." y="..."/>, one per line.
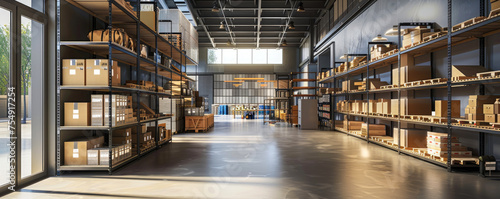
<point x="384" y="106"/>
<point x="81" y="72"/>
<point x="410" y="72"/>
<point x="352" y="125"/>
<point x="492" y="111"/>
<point x="411" y="106"/>
<point x="437" y="145"/>
<point x="441" y="107"/>
<point x="145" y="137"/>
<point x="375" y="129"/>
<point x="75" y="150"/>
<point x="356" y="62"/>
<point x="173" y="107"/>
<point x="120" y="111"/>
<point x="411" y="138"/>
<point x="475" y="109"/>
<point x="379" y="50"/>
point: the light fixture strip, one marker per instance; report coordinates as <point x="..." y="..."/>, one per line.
<point x="288" y="21"/>
<point x="227" y="24"/>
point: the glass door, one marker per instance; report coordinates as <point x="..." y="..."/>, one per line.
<point x="22" y="63"/>
<point x="31" y="94"/>
<point x="5" y="99"/>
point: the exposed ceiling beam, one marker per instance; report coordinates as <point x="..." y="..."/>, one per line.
<point x="257" y="25"/>
<point x="262" y="31"/>
<point x="259" y="19"/>
<point x="206" y="31"/>
<point x="261" y="43"/>
<point x="263" y="9"/>
<point x="227" y="24"/>
<point x="254" y="38"/>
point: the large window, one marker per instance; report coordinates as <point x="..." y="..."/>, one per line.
<point x="245" y="56"/>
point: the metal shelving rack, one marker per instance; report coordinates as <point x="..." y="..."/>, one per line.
<point x="109" y="11"/>
<point x="470" y="33"/>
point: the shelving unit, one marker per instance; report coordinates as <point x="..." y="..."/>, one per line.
<point x="473" y="32"/>
<point x="114" y="15"/>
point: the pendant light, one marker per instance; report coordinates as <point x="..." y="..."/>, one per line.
<point x="215" y="8"/>
<point x="283" y="43"/>
<point x="392" y="32"/>
<point x="291" y="25"/>
<point x="222" y="27"/>
<point x="229" y="43"/>
<point x="300" y="8"/>
<point x="379" y="38"/>
<point x="343" y="57"/>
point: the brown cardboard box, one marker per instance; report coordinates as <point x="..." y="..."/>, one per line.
<point x="495" y="5"/>
<point x="414" y="138"/>
<point x="76" y="114"/>
<point x="97" y="72"/>
<point x="148" y="18"/>
<point x="375" y="129"/>
<point x="441" y="107"/>
<point x="73" y="72"/>
<point x="414" y="36"/>
<point x="472" y="116"/>
<point x="491" y="118"/>
<point x="488" y="109"/>
<point x="114" y="110"/>
<point x="353" y="125"/>
<point x="97" y="110"/>
<point x="142" y="128"/>
<point x="122" y="140"/>
<point x="479" y="100"/>
<point x="122" y="132"/>
<point x="411" y="107"/>
<point x="410" y="72"/>
<point x="467" y="109"/>
<point x="75" y="151"/>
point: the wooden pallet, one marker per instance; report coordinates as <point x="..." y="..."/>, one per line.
<point x="494" y="13"/>
<point x="462" y="78"/>
<point x="465" y="161"/>
<point x="489" y="74"/>
<point x="434" y="36"/>
<point x="414" y="83"/>
<point x="468" y="23"/>
<point x="435" y="81"/>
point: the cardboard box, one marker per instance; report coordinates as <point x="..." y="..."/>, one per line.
<point x="375" y="129"/>
<point x="413" y="138"/>
<point x="353" y="125"/>
<point x="491" y="118"/>
<point x="127" y="132"/>
<point x="440" y="137"/>
<point x="488" y="109"/>
<point x="114" y="107"/>
<point x="75" y="151"/>
<point x="97" y="72"/>
<point x="479" y="100"/>
<point x="415" y="36"/>
<point x="410" y="72"/>
<point x="76" y="114"/>
<point x="495" y="5"/>
<point x="97" y="110"/>
<point x="93" y="156"/>
<point x="441" y="108"/>
<point x="142" y="129"/>
<point x="73" y="72"/>
<point x="104" y="156"/>
<point x="149" y="18"/>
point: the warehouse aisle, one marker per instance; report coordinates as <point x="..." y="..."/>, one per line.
<point x="250" y="160"/>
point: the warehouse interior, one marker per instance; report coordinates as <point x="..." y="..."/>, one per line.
<point x="249" y="98"/>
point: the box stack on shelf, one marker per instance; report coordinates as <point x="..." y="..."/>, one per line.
<point x="97" y="100"/>
<point x="186" y="36"/>
<point x="476" y="82"/>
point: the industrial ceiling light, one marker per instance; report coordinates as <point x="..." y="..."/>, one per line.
<point x="392" y="32"/>
<point x="215" y="8"/>
<point x="237" y="85"/>
<point x="263" y="85"/>
<point x="222" y="27"/>
<point x="291" y="25"/>
<point x="379" y="38"/>
<point x="284" y="43"/>
<point x="343" y="57"/>
<point x="301" y="7"/>
<point x="229" y="42"/>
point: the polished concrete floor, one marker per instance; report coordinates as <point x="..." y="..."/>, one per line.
<point x="251" y="160"/>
